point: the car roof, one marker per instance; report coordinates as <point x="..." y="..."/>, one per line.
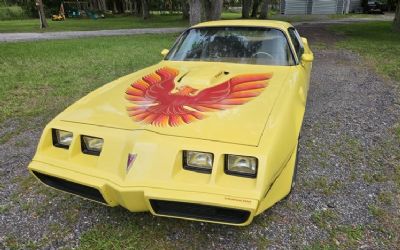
<point x="250" y="23"/>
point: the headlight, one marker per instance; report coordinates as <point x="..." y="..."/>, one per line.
<point x="61" y="138"/>
<point x="245" y="166"/>
<point x="198" y="161"/>
<point x="91" y="145"/>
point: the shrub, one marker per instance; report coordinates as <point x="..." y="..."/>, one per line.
<point x="11" y="12"/>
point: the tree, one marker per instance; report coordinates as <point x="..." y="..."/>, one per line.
<point x="204" y="10"/>
<point x="246" y="6"/>
<point x="195" y="11"/>
<point x="264" y="10"/>
<point x="185" y="9"/>
<point x="256" y="4"/>
<point x="145" y="9"/>
<point x="396" y="22"/>
<point x="42" y="17"/>
<point x="211" y="10"/>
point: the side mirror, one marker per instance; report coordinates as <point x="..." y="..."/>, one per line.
<point x="164" y="52"/>
<point x="307" y="57"/>
<point x="304" y="40"/>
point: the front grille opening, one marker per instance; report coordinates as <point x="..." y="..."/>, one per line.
<point x="71" y="187"/>
<point x="198" y="211"/>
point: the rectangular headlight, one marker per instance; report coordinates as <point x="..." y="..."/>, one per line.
<point x="245" y="166"/>
<point x="61" y="138"/>
<point x="91" y="145"/>
<point x="198" y="161"/>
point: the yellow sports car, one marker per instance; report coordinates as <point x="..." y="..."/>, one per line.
<point x="210" y="133"/>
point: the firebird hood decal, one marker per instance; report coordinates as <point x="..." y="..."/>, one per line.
<point x="155" y="102"/>
<point x="222" y="102"/>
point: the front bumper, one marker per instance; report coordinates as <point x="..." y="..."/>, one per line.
<point x="200" y="206"/>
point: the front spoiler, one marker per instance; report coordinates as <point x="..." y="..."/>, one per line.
<point x="139" y="198"/>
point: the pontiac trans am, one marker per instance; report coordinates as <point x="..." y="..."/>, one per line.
<point x="210" y="133"/>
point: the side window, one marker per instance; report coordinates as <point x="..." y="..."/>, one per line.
<point x="297" y="43"/>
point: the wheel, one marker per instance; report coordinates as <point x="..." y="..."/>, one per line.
<point x="294" y="177"/>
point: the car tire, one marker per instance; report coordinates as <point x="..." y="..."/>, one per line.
<point x="294" y="178"/>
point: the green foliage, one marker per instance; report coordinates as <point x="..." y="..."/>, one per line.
<point x="377" y="42"/>
<point x="11" y="13"/>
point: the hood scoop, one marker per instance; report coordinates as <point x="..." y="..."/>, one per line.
<point x="197" y="79"/>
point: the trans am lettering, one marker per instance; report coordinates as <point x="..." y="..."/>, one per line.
<point x="155" y="103"/>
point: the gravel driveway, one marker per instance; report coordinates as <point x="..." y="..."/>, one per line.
<point x="346" y="195"/>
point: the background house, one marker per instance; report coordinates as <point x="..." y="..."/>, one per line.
<point x="304" y="7"/>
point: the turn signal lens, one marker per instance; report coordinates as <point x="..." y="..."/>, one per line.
<point x="62" y="138"/>
<point x="91" y="145"/>
<point x="245" y="166"/>
<point x="198" y="161"/>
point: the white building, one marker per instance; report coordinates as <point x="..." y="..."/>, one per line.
<point x="304" y="7"/>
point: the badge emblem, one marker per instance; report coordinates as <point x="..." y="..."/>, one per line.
<point x="131" y="159"/>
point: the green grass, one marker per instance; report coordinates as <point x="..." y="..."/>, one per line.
<point x="71" y="24"/>
<point x="131" y="22"/>
<point x="40" y="79"/>
<point x="377" y="42"/>
<point x="324" y="218"/>
<point x="124" y="235"/>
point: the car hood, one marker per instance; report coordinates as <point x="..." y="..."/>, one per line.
<point x="240" y="124"/>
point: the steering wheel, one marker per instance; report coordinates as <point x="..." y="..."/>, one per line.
<point x="263" y="53"/>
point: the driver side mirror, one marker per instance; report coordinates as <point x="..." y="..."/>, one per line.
<point x="164" y="52"/>
<point x="307" y="57"/>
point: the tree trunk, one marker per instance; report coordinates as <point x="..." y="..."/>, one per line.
<point x="130" y="4"/>
<point x="264" y="10"/>
<point x="195" y="11"/>
<point x="212" y="10"/>
<point x="185" y="9"/>
<point x="102" y="5"/>
<point x="145" y="9"/>
<point x="256" y="4"/>
<point x="396" y="22"/>
<point x="42" y="17"/>
<point x="246" y="6"/>
<point x="115" y="10"/>
<point x="136" y="8"/>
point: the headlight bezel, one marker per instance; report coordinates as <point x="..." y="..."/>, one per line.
<point x="85" y="148"/>
<point x="240" y="174"/>
<point x="56" y="138"/>
<point x="186" y="166"/>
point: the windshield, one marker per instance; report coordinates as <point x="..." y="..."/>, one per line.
<point x="246" y="45"/>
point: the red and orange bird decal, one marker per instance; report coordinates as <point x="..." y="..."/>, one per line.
<point x="158" y="102"/>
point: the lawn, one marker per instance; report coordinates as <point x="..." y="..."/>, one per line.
<point x="71" y="24"/>
<point x="375" y="41"/>
<point x="40" y="79"/>
<point x="131" y="22"/>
